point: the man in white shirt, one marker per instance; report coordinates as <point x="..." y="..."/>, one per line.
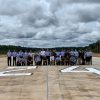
<point x="14" y="55"/>
<point x="76" y="55"/>
<point x="37" y="59"/>
<point x="48" y="53"/>
<point x="21" y="53"/>
<point x="43" y="55"/>
<point x="42" y="52"/>
<point x="9" y="61"/>
<point x="25" y="56"/>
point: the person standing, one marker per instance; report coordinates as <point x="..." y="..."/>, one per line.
<point x="21" y="53"/>
<point x="14" y="55"/>
<point x="62" y="53"/>
<point x="19" y="60"/>
<point x="80" y="57"/>
<point x="88" y="57"/>
<point x="9" y="61"/>
<point x="53" y="56"/>
<point x="30" y="58"/>
<point x="83" y="57"/>
<point x="76" y="55"/>
<point x="43" y="56"/>
<point x="25" y="56"/>
<point x="37" y="59"/>
<point x="67" y="58"/>
<point x="48" y="53"/>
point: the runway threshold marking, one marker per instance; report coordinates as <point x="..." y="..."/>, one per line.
<point x="72" y="70"/>
<point x="11" y="71"/>
<point x="93" y="70"/>
<point x="18" y="67"/>
<point x="69" y="69"/>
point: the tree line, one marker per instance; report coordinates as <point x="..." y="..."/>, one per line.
<point x="95" y="47"/>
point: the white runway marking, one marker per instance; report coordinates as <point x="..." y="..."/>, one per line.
<point x="89" y="70"/>
<point x="94" y="70"/>
<point x="11" y="71"/>
<point x="69" y="69"/>
<point x="16" y="74"/>
<point x="78" y="71"/>
<point x="19" y="67"/>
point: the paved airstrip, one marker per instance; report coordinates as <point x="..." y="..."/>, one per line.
<point x="49" y="83"/>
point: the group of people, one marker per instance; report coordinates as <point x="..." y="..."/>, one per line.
<point x="19" y="58"/>
<point x="49" y="57"/>
<point x="64" y="57"/>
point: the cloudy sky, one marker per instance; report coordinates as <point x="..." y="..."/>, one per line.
<point x="49" y="23"/>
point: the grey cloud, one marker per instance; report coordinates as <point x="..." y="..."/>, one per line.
<point x="49" y="23"/>
<point x="88" y="15"/>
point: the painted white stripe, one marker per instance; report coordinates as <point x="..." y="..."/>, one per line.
<point x="16" y="74"/>
<point x="13" y="70"/>
<point x="93" y="70"/>
<point x="78" y="71"/>
<point x="18" y="67"/>
<point x="69" y="69"/>
<point x="31" y="67"/>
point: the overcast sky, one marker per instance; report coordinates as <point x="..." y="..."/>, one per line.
<point x="49" y="23"/>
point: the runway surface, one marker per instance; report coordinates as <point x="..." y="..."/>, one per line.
<point x="49" y="83"/>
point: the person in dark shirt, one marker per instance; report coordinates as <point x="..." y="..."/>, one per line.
<point x="82" y="57"/>
<point x="67" y="58"/>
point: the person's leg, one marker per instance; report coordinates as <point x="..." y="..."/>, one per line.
<point x="14" y="61"/>
<point x="91" y="60"/>
<point x="48" y="60"/>
<point x="10" y="60"/>
<point x="32" y="63"/>
<point x="41" y="60"/>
